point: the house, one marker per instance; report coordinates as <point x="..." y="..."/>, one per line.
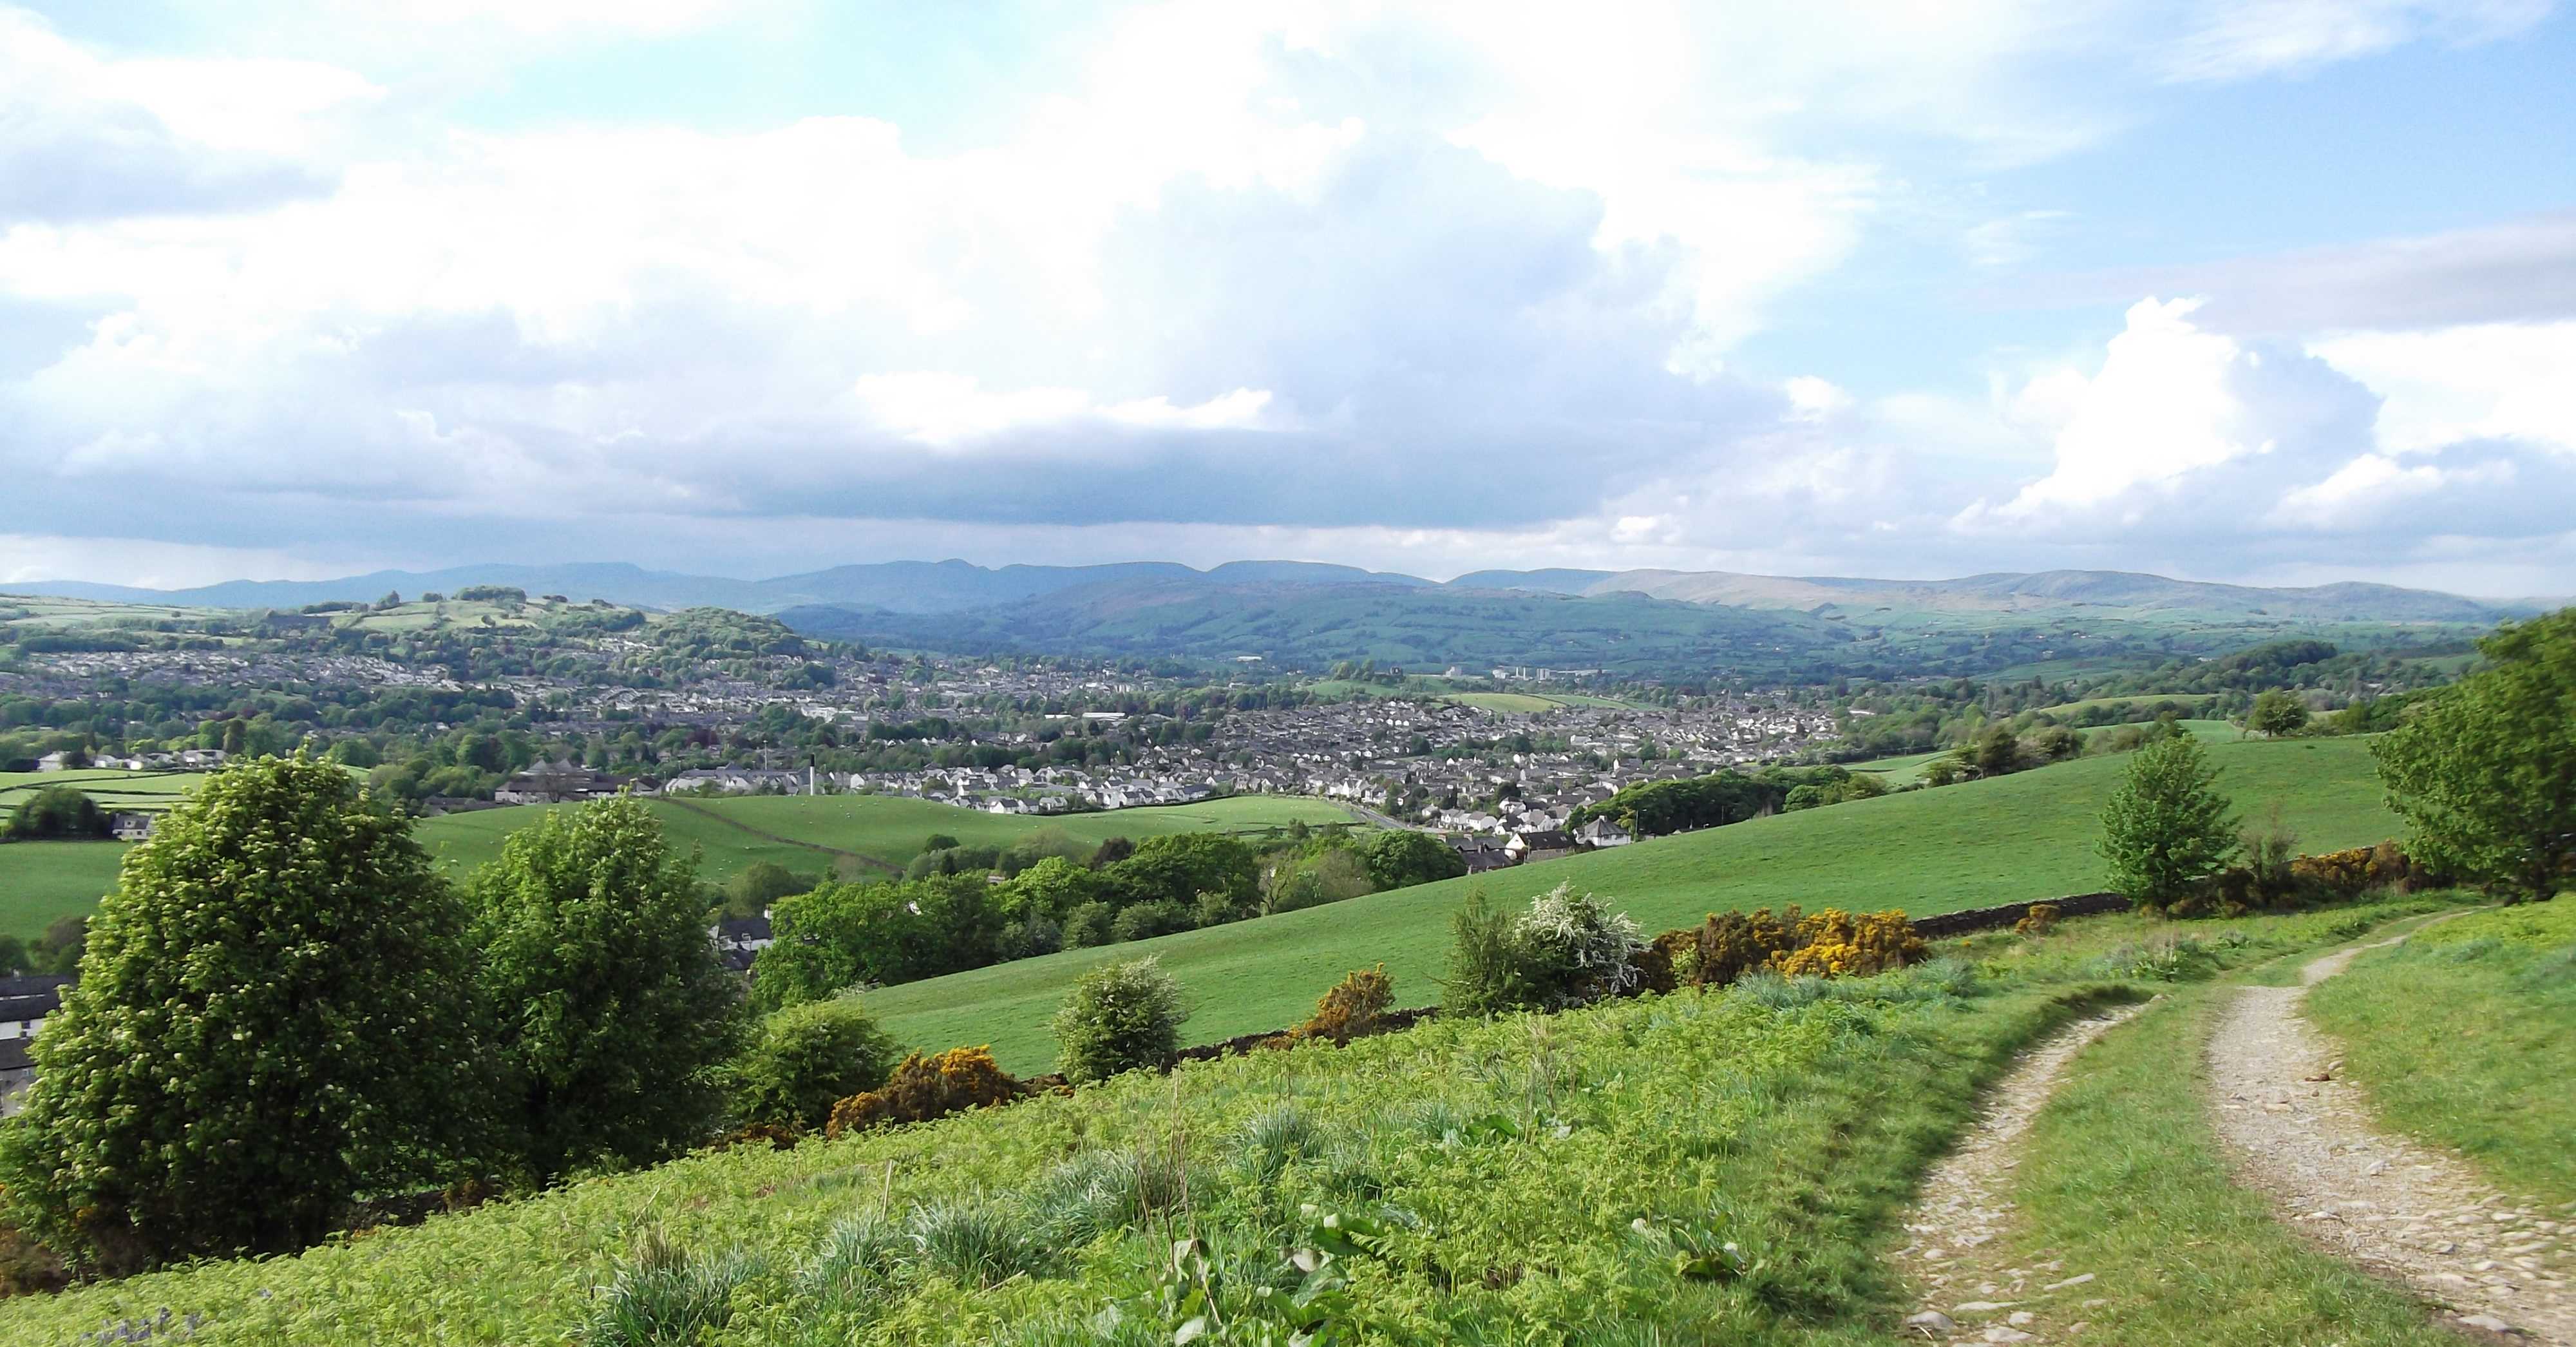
<point x="555" y="783"/>
<point x="54" y="762"/>
<point x="1538" y="844"/>
<point x="129" y="825"/>
<point x="26" y="1000"/>
<point x="739" y="940"/>
<point x="1601" y="832"/>
<point x="201" y="758"/>
<point x="1481" y="854"/>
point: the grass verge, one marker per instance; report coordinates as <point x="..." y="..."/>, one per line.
<point x="2466" y="1036"/>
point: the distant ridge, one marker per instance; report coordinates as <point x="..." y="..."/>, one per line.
<point x="954" y="586"/>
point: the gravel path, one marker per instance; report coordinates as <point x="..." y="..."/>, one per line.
<point x="1962" y="1208"/>
<point x="2401" y="1208"/>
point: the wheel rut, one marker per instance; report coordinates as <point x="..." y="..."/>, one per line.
<point x="2305" y="1138"/>
<point x="1963" y="1207"/>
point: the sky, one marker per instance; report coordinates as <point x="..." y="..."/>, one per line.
<point x="2271" y="291"/>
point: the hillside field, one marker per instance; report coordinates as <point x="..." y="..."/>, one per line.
<point x="1505" y="1159"/>
<point x="838" y="834"/>
<point x="2019" y="838"/>
<point x="142" y="792"/>
<point x="1906" y="770"/>
<point x="809" y="833"/>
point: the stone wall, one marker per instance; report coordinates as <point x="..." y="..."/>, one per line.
<point x="1992" y="918"/>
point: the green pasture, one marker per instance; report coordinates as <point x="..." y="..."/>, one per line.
<point x="857" y="835"/>
<point x="138" y="792"/>
<point x="42" y="882"/>
<point x="2014" y="839"/>
<point x="2192" y="699"/>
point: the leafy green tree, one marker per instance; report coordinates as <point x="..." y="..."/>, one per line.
<point x="2277" y="713"/>
<point x="1119" y="1017"/>
<point x="760" y="884"/>
<point x="1181" y="866"/>
<point x="2485" y="772"/>
<point x="610" y="1010"/>
<point x="2167" y="826"/>
<point x="854" y="935"/>
<point x="272" y="1018"/>
<point x="806" y="1058"/>
<point x="1998" y="752"/>
<point x="57" y="813"/>
<point x="1403" y="857"/>
<point x="1051" y="888"/>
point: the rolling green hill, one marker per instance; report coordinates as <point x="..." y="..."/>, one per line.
<point x="2019" y="838"/>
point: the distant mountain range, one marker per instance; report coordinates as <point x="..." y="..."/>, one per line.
<point x="1645" y="623"/>
<point x="919" y="587"/>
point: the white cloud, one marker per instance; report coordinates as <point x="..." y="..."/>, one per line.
<point x="2236" y="39"/>
<point x="2514" y="381"/>
<point x="2164" y="404"/>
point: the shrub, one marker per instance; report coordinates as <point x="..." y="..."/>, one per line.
<point x="924" y="1088"/>
<point x="1351" y="1009"/>
<point x="1568" y="948"/>
<point x="807" y="1057"/>
<point x="28" y="1268"/>
<point x="1144" y="921"/>
<point x="1119" y="1017"/>
<point x="1590" y="949"/>
<point x="2357" y="870"/>
<point x="1651" y="969"/>
<point x="1087" y="925"/>
<point x="1491" y="970"/>
<point x="1731" y="944"/>
<point x="2041" y="920"/>
<point x="1833" y="944"/>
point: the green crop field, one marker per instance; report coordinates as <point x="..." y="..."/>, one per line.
<point x="2019" y="838"/>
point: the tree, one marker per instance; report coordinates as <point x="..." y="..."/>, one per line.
<point x="2485" y="773"/>
<point x="2167" y="826"/>
<point x="57" y="812"/>
<point x="807" y="1058"/>
<point x="1181" y="866"/>
<point x="271" y="1019"/>
<point x="1998" y="752"/>
<point x="1119" y="1017"/>
<point x="610" y="1008"/>
<point x="2277" y="713"/>
<point x="1403" y="857"/>
<point x="760" y="884"/>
